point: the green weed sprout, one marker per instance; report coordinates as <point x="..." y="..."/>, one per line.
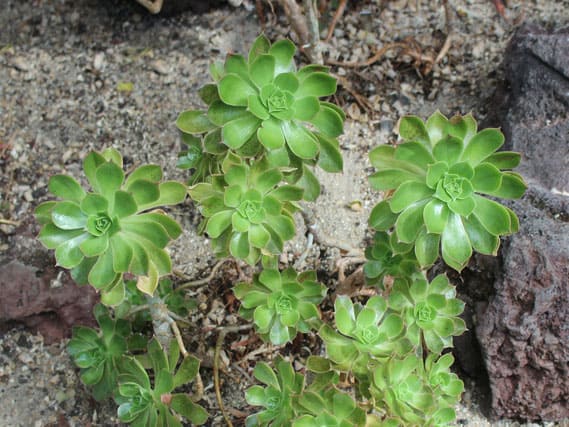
<point x="440" y="175"/>
<point x="114" y="229"/>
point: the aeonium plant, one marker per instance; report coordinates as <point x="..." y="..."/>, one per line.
<point x="246" y="212"/>
<point x="281" y="304"/>
<point x="441" y="174"/>
<point x="98" y="354"/>
<point x="263" y="105"/>
<point x="114" y="229"/>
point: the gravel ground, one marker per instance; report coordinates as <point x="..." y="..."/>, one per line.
<point x="87" y="74"/>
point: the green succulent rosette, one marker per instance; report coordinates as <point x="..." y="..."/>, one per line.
<point x="114" y="229"/>
<point x="147" y="403"/>
<point x="281" y="304"/>
<point x="263" y="104"/>
<point x="363" y="333"/>
<point x="414" y="394"/>
<point x="98" y="354"/>
<point x="441" y="175"/>
<point x="246" y="212"/>
<point x="279" y="396"/>
<point x="329" y="407"/>
<point x="430" y="311"/>
<point x="389" y="257"/>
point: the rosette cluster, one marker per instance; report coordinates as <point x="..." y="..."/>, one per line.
<point x="264" y="106"/>
<point x="113" y="229"/>
<point x="439" y="177"/>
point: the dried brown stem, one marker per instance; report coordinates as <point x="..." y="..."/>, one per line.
<point x="205" y="280"/>
<point x="337" y="15"/>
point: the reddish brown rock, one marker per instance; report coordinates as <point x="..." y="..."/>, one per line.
<point x="523" y="329"/>
<point x="35" y="293"/>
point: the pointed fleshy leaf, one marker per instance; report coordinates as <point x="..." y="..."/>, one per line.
<point x="260" y="46"/>
<point x="218" y="223"/>
<point x="389" y="179"/>
<point x="193" y="121"/>
<point x="239" y="245"/>
<point x="68" y="216"/>
<point x="412" y="128"/>
<point x="493" y="216"/>
<point x="234" y="90"/>
<point x="306" y="108"/>
<point x="283" y="51"/>
<point x="511" y="187"/>
<point x="435" y="216"/>
<point x="270" y="134"/>
<point x="482" y="145"/>
<point x="94" y="203"/>
<point x="427" y="248"/>
<point x="237" y="132"/>
<point x="381" y="217"/>
<point x="114" y="295"/>
<point x="330" y="158"/>
<point x="208" y="93"/>
<point x="283" y="226"/>
<point x="328" y="121"/>
<point x="300" y="141"/>
<point x="455" y="244"/>
<point x="344" y="314"/>
<point x="152" y="173"/>
<point x="256" y="107"/>
<point x="122" y="254"/>
<point x="415" y="153"/>
<point x="310" y="184"/>
<point x="263" y="373"/>
<point x="462" y="207"/>
<point x="102" y="274"/>
<point x="90" y="165"/>
<point x="504" y="159"/>
<point x="448" y="150"/>
<point x="410" y="222"/>
<point x="436" y="127"/>
<point x="68" y="254"/>
<point x="258" y="236"/>
<point x="317" y="84"/>
<point x="482" y="241"/>
<point x="52" y="236"/>
<point x="262" y="70"/>
<point x="94" y="246"/>
<point x="407" y="194"/>
<point x="287" y="81"/>
<point x="487" y="178"/>
<point x="66" y="188"/>
<point x="220" y="113"/>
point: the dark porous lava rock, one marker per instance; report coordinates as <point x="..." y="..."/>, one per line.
<point x="35" y="293"/>
<point x="523" y="329"/>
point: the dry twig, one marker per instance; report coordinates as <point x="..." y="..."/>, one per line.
<point x="337" y="15"/>
<point x="205" y="280"/>
<point x="218" y="344"/>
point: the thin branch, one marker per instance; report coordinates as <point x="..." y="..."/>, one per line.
<point x="337" y="15"/>
<point x="9" y="222"/>
<point x="218" y="344"/>
<point x="313" y="50"/>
